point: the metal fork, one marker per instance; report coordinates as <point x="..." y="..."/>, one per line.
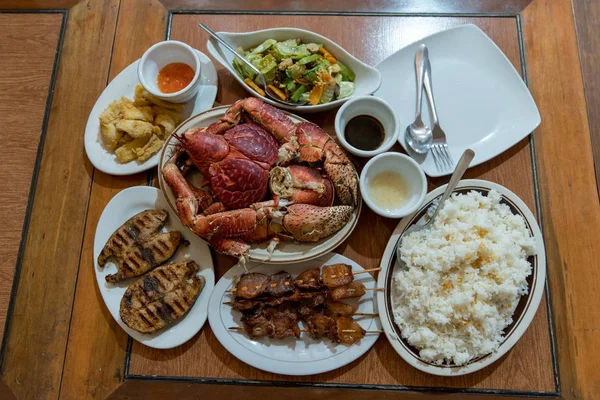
<point x="439" y="148"/>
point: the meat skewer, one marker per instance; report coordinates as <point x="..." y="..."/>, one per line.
<point x="245" y="305"/>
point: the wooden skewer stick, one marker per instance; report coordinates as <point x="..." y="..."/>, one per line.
<point x="240" y="328"/>
<point x="358" y="314"/>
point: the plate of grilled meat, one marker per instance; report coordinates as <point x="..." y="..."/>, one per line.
<point x="154" y="275"/>
<point x="298" y="319"/>
<point x="260" y="184"/>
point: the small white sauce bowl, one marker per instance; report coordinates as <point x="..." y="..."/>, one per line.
<point x="405" y="166"/>
<point x="376" y="108"/>
<point x="162" y="54"/>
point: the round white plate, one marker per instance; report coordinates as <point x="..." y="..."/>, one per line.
<point x="124" y="85"/>
<point x="291" y="356"/>
<point x="524" y="313"/>
<point x="123" y="206"/>
<point x="286" y="251"/>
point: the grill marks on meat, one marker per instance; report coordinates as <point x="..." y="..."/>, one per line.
<point x="162" y="296"/>
<point x="138" y="247"/>
<point x="336" y="275"/>
<point x="309" y="279"/>
<point x="280" y="284"/>
<point x="351" y="290"/>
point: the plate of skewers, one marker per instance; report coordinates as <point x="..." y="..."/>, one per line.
<point x="308" y="318"/>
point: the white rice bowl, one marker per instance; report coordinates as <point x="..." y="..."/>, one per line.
<point x="464" y="279"/>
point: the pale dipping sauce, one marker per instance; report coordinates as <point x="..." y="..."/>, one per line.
<point x="389" y="190"/>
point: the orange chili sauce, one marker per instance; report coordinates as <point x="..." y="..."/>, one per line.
<point x="174" y="77"/>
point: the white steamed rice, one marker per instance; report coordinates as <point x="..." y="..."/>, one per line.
<point x="464" y="280"/>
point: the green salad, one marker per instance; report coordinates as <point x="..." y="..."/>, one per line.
<point x="297" y="72"/>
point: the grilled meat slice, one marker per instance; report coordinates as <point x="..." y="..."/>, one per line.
<point x="309" y="279"/>
<point x="275" y="301"/>
<point x="311" y="302"/>
<point x="353" y="289"/>
<point x="339" y="309"/>
<point x="347" y="331"/>
<point x="285" y="322"/>
<point x="245" y="305"/>
<point x="280" y="284"/>
<point x="144" y="256"/>
<point x="162" y="296"/>
<point x="257" y="323"/>
<point x="251" y="285"/>
<point x="136" y="230"/>
<point x="336" y="275"/>
<point x="320" y="325"/>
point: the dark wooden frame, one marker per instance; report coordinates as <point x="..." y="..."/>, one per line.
<point x="429" y="8"/>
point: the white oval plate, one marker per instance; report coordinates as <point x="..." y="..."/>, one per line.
<point x="367" y="79"/>
<point x="286" y="251"/>
<point x="524" y="313"/>
<point x="123" y="206"/>
<point x="124" y="85"/>
<point x="481" y="100"/>
<point x="290" y="356"/>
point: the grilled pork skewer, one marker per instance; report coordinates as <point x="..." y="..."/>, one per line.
<point x="241" y="328"/>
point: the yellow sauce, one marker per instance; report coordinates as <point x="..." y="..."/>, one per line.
<point x="389" y="190"/>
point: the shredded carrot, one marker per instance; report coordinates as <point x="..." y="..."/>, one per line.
<point x="278" y="92"/>
<point x="315" y="94"/>
<point x="254" y="86"/>
<point x="327" y="55"/>
<point x="325" y="77"/>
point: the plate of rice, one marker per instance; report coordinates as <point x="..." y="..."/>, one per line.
<point x="465" y="290"/>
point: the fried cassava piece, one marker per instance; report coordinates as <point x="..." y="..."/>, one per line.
<point x="161" y="297"/>
<point x="137" y="245"/>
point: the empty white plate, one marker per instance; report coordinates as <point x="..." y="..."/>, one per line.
<point x="290" y="356"/>
<point x="481" y="100"/>
<point x="123" y="206"/>
<point x="124" y="85"/>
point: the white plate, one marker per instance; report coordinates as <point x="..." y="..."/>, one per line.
<point x="291" y="356"/>
<point x="123" y="206"/>
<point x="481" y="101"/>
<point x="524" y="313"/>
<point x="286" y="251"/>
<point x="367" y="79"/>
<point x="124" y="85"/>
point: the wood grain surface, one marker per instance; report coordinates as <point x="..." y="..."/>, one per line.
<point x="95" y="368"/>
<point x="570" y="203"/>
<point x="59" y="319"/>
<point x="587" y="22"/>
<point x="203" y="356"/>
<point x="42" y="310"/>
<point x="28" y="48"/>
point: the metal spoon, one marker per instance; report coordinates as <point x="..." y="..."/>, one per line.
<point x="418" y="135"/>
<point x="460" y="169"/>
<point x="268" y="91"/>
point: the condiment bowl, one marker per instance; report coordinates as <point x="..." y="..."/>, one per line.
<point x="376" y="108"/>
<point x="410" y="171"/>
<point x="162" y="54"/>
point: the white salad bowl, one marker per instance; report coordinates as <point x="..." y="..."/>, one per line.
<point x="367" y="78"/>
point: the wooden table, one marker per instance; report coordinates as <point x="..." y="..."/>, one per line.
<point x="59" y="339"/>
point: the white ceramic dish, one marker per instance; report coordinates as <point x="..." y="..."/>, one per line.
<point x="123" y="206"/>
<point x="524" y="312"/>
<point x="286" y="251"/>
<point x="291" y="356"/>
<point x="374" y="107"/>
<point x="367" y="79"/>
<point x="162" y="54"/>
<point x="481" y="100"/>
<point x="410" y="171"/>
<point x="124" y="85"/>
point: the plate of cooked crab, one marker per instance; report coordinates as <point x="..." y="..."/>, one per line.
<point x="260" y="184"/>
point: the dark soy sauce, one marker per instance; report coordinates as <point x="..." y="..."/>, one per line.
<point x="364" y="132"/>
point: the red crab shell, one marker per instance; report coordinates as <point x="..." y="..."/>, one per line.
<point x="236" y="164"/>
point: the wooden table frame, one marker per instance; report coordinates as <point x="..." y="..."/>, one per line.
<point x="566" y="198"/>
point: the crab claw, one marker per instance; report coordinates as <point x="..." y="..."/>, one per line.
<point x="301" y="184"/>
<point x="308" y="223"/>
